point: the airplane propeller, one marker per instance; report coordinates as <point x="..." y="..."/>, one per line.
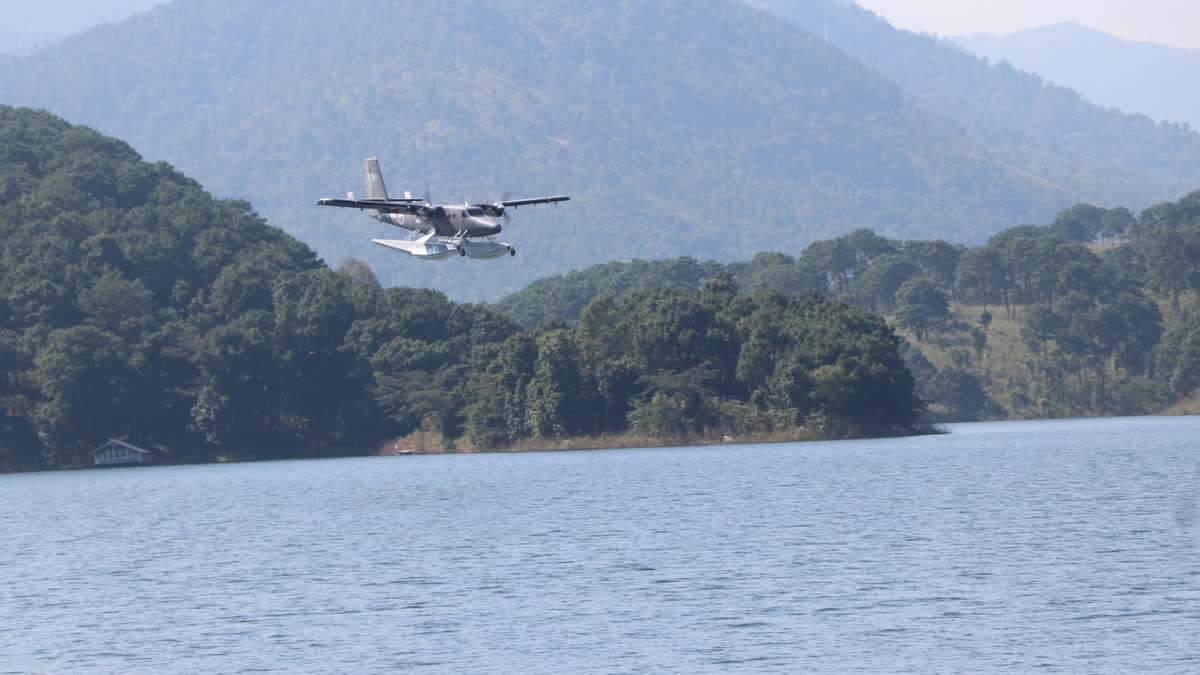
<point x="428" y="208"/>
<point x="497" y="209"/>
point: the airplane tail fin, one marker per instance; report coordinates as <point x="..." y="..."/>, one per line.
<point x="375" y="187"/>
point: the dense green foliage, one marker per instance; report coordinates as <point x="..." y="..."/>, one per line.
<point x="1108" y="333"/>
<point x="567" y="294"/>
<point x="683" y="363"/>
<point x="134" y="305"/>
<point x="699" y="128"/>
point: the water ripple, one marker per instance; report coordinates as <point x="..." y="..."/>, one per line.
<point x="1059" y="546"/>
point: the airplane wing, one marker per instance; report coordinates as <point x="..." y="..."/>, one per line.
<point x="516" y="203"/>
<point x="385" y="205"/>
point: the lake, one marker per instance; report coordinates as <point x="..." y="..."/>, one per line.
<point x="1070" y="546"/>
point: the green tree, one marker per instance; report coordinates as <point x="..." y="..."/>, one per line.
<point x="87" y="388"/>
<point x="1177" y="357"/>
<point x="1080" y="223"/>
<point x="938" y="260"/>
<point x="876" y="287"/>
<point x="962" y="393"/>
<point x="921" y="306"/>
<point x="497" y="412"/>
<point x="979" y="277"/>
<point x="558" y="401"/>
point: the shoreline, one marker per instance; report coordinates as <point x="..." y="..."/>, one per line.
<point x="427" y="443"/>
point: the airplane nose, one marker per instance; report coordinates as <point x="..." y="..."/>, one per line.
<point x="486" y="227"/>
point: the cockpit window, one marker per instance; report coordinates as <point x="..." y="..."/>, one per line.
<point x="476" y="211"/>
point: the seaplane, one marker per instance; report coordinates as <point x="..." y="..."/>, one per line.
<point x="437" y="231"/>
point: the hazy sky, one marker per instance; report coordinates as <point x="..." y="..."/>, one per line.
<point x="27" y="23"/>
<point x="1170" y="22"/>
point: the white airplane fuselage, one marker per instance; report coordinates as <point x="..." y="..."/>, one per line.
<point x="444" y="221"/>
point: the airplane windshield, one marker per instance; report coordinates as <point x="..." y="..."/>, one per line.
<point x="475" y="212"/>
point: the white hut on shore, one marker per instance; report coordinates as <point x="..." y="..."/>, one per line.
<point x="116" y="452"/>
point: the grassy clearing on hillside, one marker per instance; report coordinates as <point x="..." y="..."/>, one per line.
<point x="1030" y="384"/>
<point x="1004" y="365"/>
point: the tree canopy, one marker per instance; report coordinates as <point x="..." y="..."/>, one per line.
<point x="135" y="305"/>
<point x="1103" y="301"/>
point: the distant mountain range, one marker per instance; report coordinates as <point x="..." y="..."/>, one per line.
<point x="1046" y="130"/>
<point x="1136" y="77"/>
<point x="703" y="128"/>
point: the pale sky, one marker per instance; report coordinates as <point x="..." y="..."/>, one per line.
<point x="1170" y="22"/>
<point x="26" y="24"/>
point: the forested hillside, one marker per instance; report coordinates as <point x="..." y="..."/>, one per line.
<point x="1096" y="313"/>
<point x="680" y="128"/>
<point x="134" y="305"/>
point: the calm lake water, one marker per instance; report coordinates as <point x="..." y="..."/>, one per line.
<point x="1067" y="546"/>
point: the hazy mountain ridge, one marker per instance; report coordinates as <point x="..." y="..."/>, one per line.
<point x="704" y="129"/>
<point x="1107" y="69"/>
<point x="1030" y="124"/>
